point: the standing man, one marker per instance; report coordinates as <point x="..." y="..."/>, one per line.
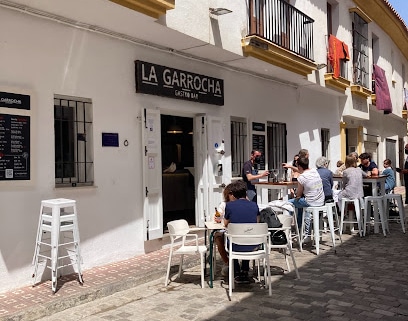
<point x="250" y="174"/>
<point x="405" y="172"/>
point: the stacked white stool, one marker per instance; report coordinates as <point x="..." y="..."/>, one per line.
<point x="397" y="198"/>
<point x="57" y="216"/>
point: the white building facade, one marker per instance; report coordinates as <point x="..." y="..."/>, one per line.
<point x="90" y="89"/>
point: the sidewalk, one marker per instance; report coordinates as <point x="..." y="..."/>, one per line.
<point x="387" y="256"/>
<point x="32" y="303"/>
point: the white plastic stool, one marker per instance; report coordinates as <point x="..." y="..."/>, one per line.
<point x="357" y="210"/>
<point x="379" y="215"/>
<point x="398" y="199"/>
<point x="63" y="218"/>
<point x="315" y="216"/>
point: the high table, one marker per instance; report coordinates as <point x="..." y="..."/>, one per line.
<point x="213" y="227"/>
<point x="373" y="180"/>
<point x="282" y="186"/>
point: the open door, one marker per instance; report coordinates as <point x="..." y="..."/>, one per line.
<point x="152" y="179"/>
<point x="209" y="164"/>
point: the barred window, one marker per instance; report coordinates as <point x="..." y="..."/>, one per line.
<point x="73" y="141"/>
<point x="325" y="137"/>
<point x="239" y="141"/>
<point x="360" y="51"/>
<point x="277" y="145"/>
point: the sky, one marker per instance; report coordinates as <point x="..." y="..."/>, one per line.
<point x="401" y="6"/>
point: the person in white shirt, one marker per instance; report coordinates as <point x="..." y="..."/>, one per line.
<point x="309" y="193"/>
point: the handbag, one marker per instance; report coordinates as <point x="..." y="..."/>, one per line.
<point x="279" y="238"/>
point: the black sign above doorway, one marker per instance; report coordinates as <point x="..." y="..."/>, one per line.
<point x="10" y="100"/>
<point x="160" y="80"/>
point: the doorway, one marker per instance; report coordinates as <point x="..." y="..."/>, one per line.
<point x="178" y="184"/>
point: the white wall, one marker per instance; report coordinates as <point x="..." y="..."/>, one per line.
<point x="43" y="58"/>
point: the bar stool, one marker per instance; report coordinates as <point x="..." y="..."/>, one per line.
<point x="315" y="212"/>
<point x="357" y="210"/>
<point x="378" y="204"/>
<point x="57" y="216"/>
<point x="397" y="198"/>
<point x="332" y="211"/>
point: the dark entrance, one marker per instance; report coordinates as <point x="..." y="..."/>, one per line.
<point x="178" y="168"/>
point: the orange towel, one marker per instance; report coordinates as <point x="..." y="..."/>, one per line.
<point x="337" y="50"/>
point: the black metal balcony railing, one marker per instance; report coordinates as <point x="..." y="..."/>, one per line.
<point x="282" y="24"/>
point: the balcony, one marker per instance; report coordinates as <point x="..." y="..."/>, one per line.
<point x="152" y="8"/>
<point x="281" y="35"/>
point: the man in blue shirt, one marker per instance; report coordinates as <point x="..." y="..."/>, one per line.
<point x="240" y="210"/>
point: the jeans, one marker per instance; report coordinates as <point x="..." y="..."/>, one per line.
<point x="300" y="204"/>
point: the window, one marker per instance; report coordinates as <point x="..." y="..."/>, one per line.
<point x="239" y="141"/>
<point x="360" y="51"/>
<point x="325" y="136"/>
<point x="277" y="145"/>
<point x="73" y="141"/>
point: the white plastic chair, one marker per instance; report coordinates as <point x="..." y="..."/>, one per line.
<point x="255" y="234"/>
<point x="179" y="229"/>
<point x="286" y="220"/>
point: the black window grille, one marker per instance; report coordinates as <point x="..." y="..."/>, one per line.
<point x="325" y="137"/>
<point x="360" y="51"/>
<point x="277" y="145"/>
<point x="239" y="141"/>
<point x="73" y="141"/>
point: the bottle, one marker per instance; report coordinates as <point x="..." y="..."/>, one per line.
<point x="217" y="214"/>
<point x="217" y="218"/>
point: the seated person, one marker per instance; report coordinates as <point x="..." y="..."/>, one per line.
<point x="327" y="178"/>
<point x="309" y="193"/>
<point x="367" y="165"/>
<point x="352" y="180"/>
<point x="219" y="236"/>
<point x="240" y="210"/>
<point x="389" y="172"/>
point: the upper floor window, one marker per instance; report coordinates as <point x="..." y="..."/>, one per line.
<point x="73" y="141"/>
<point x="360" y="51"/>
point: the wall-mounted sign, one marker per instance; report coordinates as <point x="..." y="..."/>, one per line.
<point x="14" y="147"/>
<point x="260" y="127"/>
<point x="110" y="139"/>
<point x="174" y="83"/>
<point x="10" y="100"/>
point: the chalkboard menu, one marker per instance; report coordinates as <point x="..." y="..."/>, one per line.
<point x="14" y="147"/>
<point x="258" y="143"/>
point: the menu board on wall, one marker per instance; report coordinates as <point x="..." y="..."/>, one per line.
<point x="14" y="147"/>
<point x="258" y="143"/>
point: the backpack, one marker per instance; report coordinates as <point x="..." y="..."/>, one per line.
<point x="268" y="216"/>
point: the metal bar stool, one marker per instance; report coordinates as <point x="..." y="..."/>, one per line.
<point x="395" y="198"/>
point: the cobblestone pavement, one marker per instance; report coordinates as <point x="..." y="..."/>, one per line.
<point x="365" y="279"/>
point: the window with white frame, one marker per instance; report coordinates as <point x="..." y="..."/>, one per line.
<point x="73" y="141"/>
<point x="239" y="141"/>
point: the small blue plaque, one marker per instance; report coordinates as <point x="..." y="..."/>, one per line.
<point x="110" y="140"/>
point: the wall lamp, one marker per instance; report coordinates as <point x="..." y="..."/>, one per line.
<point x="320" y="66"/>
<point x="219" y="11"/>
